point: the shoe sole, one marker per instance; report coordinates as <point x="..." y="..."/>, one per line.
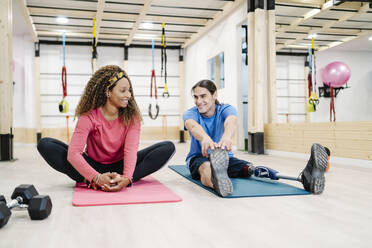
<point x="317" y="173"/>
<point x="219" y="164"/>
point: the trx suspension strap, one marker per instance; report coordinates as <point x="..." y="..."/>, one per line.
<point x="316" y="99"/>
<point x="164" y="61"/>
<point x="332" y="105"/>
<point x="63" y="105"/>
<point x="313" y="99"/>
<point x="94" y="44"/>
<point x="310" y="103"/>
<point x="153" y="80"/>
<point x="309" y="74"/>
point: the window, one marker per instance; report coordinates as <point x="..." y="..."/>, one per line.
<point x="216" y="70"/>
<point x="222" y="76"/>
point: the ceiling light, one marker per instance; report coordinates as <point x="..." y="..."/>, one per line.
<point x="370" y="38"/>
<point x="145" y="37"/>
<point x="147" y="25"/>
<point x="62" y="20"/>
<point x="312" y="36"/>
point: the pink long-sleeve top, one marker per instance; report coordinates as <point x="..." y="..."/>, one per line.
<point x="104" y="141"/>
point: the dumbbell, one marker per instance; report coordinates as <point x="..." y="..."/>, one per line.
<point x="26" y="196"/>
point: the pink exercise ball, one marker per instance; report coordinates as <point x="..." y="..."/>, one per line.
<point x="336" y="74"/>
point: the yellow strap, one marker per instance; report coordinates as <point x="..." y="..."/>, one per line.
<point x="165" y="88"/>
<point x="94" y="32"/>
<point x="162" y="35"/>
<point x="94" y="27"/>
<point x="310" y="107"/>
<point x="312" y="44"/>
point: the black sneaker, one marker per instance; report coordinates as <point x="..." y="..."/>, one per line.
<point x="221" y="181"/>
<point x="312" y="177"/>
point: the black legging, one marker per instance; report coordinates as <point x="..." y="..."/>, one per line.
<point x="149" y="159"/>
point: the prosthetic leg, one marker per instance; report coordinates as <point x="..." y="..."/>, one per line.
<point x="311" y="177"/>
<point x="266" y="172"/>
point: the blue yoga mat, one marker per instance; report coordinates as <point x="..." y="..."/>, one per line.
<point x="248" y="187"/>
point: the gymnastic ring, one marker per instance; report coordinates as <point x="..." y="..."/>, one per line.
<point x="150" y="112"/>
<point x="165" y="94"/>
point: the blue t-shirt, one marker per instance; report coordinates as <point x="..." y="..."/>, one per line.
<point x="213" y="126"/>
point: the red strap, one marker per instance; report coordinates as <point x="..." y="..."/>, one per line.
<point x="309" y="83"/>
<point x="332" y="105"/>
<point x="64" y="81"/>
<point x="153" y="79"/>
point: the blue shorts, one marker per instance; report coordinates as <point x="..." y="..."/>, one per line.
<point x="234" y="169"/>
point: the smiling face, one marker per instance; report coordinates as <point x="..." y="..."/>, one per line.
<point x="205" y="101"/>
<point x="120" y="94"/>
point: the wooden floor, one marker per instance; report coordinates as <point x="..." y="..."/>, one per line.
<point x="340" y="217"/>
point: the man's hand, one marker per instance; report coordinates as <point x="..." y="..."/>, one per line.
<point x="206" y="144"/>
<point x="225" y="143"/>
<point x="230" y="126"/>
<point x="198" y="132"/>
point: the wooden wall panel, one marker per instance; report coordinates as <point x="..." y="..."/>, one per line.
<point x="345" y="139"/>
<point x="24" y="135"/>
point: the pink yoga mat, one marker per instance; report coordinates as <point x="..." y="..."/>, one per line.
<point x="146" y="190"/>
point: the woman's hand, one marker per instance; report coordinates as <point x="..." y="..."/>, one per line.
<point x="116" y="183"/>
<point x="110" y="181"/>
<point x="103" y="180"/>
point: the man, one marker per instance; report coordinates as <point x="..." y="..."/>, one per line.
<point x="212" y="126"/>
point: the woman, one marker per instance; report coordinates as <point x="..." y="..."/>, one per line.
<point x="103" y="148"/>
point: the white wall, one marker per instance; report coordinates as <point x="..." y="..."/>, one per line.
<point x="352" y="104"/>
<point x="224" y="37"/>
<point x="78" y="68"/>
<point x="23" y="64"/>
<point x="139" y="70"/>
<point x="78" y="65"/>
<point x="290" y="88"/>
<point x="79" y="71"/>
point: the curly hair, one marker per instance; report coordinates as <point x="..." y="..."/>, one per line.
<point x="94" y="95"/>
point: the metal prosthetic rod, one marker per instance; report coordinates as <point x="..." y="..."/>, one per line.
<point x="281" y="176"/>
